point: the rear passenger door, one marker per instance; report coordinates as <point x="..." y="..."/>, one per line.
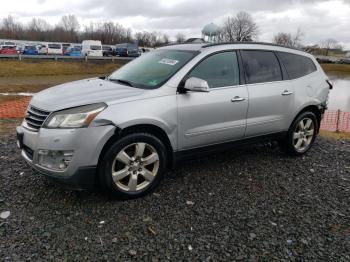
<point x="271" y="99"/>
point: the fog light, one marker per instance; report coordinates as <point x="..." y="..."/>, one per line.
<point x="57" y="160"/>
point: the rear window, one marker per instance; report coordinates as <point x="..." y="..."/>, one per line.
<point x="296" y="65"/>
<point x="106" y="48"/>
<point x="261" y="66"/>
<point x="54" y="46"/>
<point x="95" y="47"/>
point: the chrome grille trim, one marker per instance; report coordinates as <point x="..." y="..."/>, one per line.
<point x="35" y="117"/>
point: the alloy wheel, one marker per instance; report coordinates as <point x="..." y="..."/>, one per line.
<point x="303" y="134"/>
<point x="135" y="167"/>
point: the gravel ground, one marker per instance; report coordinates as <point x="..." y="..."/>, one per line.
<point x="252" y="204"/>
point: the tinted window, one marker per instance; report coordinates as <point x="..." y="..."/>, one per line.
<point x="95" y="47"/>
<point x="297" y="65"/>
<point x="261" y="66"/>
<point x="54" y="46"/>
<point x="218" y="70"/>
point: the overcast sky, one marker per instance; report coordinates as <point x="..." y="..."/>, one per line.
<point x="318" y="19"/>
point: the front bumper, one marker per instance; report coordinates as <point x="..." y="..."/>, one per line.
<point x="86" y="143"/>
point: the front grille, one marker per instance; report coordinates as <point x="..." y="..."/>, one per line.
<point x="35" y="117"/>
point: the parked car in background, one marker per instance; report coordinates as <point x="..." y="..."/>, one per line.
<point x="54" y="49"/>
<point x="42" y="49"/>
<point x="65" y="47"/>
<point x="8" y="50"/>
<point x="73" y="51"/>
<point x="30" y="50"/>
<point x="122" y="132"/>
<point x="127" y="49"/>
<point x="108" y="51"/>
<point x="20" y="48"/>
<point x="91" y="48"/>
<point x="344" y="61"/>
<point x="8" y="43"/>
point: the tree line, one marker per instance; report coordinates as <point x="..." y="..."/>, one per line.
<point x="69" y="30"/>
<point x="240" y="27"/>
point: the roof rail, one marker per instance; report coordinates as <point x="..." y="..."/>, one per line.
<point x="190" y="43"/>
<point x="250" y="43"/>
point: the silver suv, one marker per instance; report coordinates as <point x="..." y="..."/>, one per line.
<point x="121" y="132"/>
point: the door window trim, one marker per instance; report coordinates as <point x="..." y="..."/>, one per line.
<point x="279" y="62"/>
<point x="239" y="61"/>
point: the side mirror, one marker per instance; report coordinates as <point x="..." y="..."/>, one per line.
<point x="196" y="85"/>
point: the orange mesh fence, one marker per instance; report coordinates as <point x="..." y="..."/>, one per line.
<point x="14" y="108"/>
<point x="336" y="120"/>
<point x="333" y="120"/>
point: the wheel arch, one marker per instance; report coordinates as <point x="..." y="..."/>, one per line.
<point x="141" y="128"/>
<point x="314" y="109"/>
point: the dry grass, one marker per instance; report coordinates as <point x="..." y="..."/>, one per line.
<point x="36" y="75"/>
<point x="335" y="135"/>
<point x="10" y="68"/>
<point x="8" y="126"/>
<point x="336" y="69"/>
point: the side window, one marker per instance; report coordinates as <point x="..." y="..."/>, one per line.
<point x="219" y="70"/>
<point x="261" y="66"/>
<point x="297" y="65"/>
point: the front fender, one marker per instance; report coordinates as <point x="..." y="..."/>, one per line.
<point x="158" y="111"/>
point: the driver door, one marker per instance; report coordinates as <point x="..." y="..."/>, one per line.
<point x="206" y="118"/>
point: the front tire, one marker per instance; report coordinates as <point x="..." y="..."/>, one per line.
<point x="133" y="166"/>
<point x="301" y="134"/>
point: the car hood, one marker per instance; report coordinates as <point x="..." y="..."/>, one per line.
<point x="83" y="92"/>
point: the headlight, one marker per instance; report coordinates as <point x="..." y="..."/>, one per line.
<point x="75" y="117"/>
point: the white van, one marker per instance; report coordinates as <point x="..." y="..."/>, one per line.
<point x="54" y="49"/>
<point x="91" y="48"/>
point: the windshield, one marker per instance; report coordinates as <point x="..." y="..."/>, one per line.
<point x="153" y="69"/>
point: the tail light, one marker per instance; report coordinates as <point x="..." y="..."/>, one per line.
<point x="47" y="50"/>
<point x="330" y="85"/>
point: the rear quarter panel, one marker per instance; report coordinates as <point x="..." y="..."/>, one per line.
<point x="310" y="90"/>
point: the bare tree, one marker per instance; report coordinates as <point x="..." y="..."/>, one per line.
<point x="180" y="38"/>
<point x="240" y="28"/>
<point x="165" y="39"/>
<point x="329" y="44"/>
<point x="11" y="28"/>
<point x="71" y="26"/>
<point x="287" y="39"/>
<point x="37" y="29"/>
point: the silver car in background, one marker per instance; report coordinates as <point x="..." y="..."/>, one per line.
<point x="121" y="132"/>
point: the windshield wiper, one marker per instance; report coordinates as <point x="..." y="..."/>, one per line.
<point x="122" y="81"/>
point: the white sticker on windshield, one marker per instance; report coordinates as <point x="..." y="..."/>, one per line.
<point x="168" y="61"/>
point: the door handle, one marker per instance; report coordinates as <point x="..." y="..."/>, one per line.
<point x="237" y="99"/>
<point x="287" y="93"/>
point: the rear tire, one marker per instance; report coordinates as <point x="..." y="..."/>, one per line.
<point x="133" y="166"/>
<point x="301" y="134"/>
